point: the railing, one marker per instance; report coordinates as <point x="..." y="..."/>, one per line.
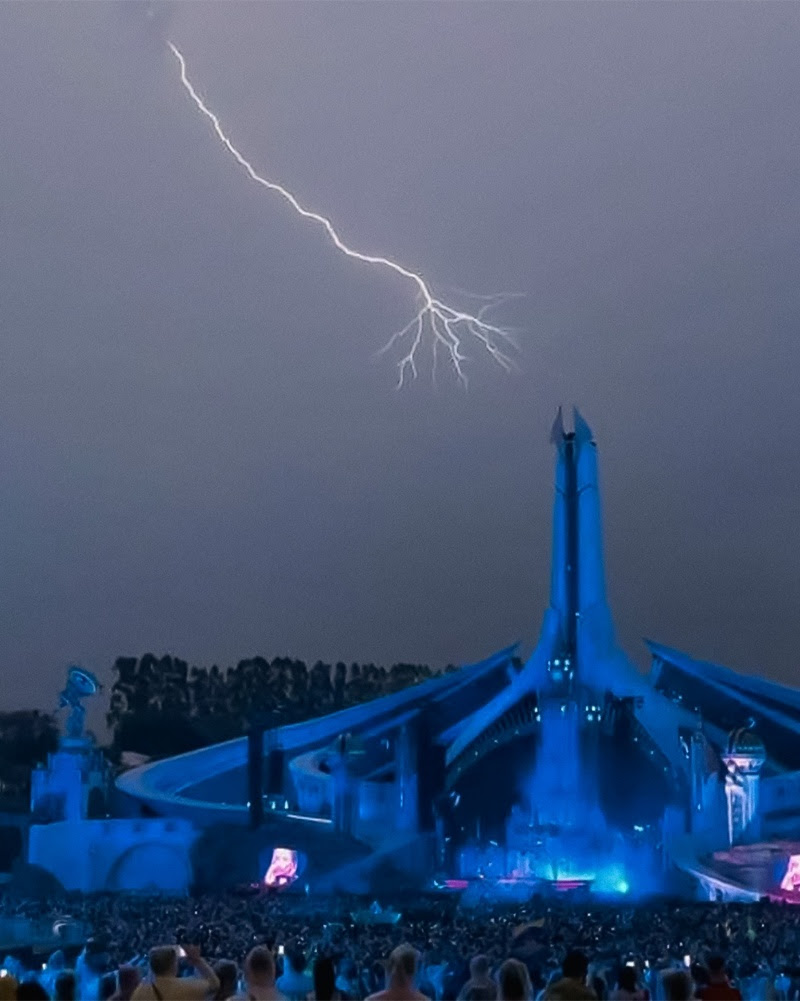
<point x="20" y="932"/>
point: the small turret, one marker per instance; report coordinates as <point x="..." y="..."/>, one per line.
<point x="745" y="746"/>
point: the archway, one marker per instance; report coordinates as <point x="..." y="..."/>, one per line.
<point x="163" y="868"/>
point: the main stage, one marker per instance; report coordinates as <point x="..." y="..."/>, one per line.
<point x="568" y="772"/>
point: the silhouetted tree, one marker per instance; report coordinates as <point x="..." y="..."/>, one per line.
<point x="162" y="706"/>
<point x="26" y="738"/>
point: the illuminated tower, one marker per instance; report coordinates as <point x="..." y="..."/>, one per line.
<point x="561" y="793"/>
<point x="577" y="662"/>
<point x="577" y="625"/>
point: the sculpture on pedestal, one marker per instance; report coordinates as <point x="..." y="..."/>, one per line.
<point x="80" y="685"/>
<point x="73" y="783"/>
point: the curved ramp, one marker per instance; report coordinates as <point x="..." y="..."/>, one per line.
<point x="182" y="786"/>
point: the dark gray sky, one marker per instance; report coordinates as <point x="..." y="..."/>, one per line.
<point x="199" y="454"/>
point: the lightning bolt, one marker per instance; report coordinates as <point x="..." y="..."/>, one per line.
<point x="436" y="321"/>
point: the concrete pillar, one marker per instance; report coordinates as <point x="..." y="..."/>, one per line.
<point x="342" y="812"/>
<point x="406" y="788"/>
<point x="697" y="767"/>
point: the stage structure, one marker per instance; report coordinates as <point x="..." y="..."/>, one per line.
<point x="73" y="834"/>
<point x="571" y="772"/>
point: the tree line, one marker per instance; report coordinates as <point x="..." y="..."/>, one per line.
<point x="161" y="706"/>
<point x="27" y="736"/>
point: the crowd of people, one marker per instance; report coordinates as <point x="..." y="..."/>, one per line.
<point x="270" y="947"/>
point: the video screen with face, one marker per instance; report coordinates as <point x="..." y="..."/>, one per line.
<point x="283" y="868"/>
<point x="791" y="880"/>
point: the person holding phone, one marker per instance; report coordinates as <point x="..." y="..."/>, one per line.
<point x="628" y="988"/>
<point x="294" y="982"/>
<point x="164" y="984"/>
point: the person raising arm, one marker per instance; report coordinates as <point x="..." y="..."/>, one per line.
<point x="164" y="984"/>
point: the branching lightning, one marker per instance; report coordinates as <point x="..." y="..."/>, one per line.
<point x="435" y="321"/>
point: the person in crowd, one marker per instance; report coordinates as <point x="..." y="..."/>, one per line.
<point x="259" y="977"/>
<point x="107" y="987"/>
<point x="425" y="978"/>
<point x="128" y="979"/>
<point x="54" y="966"/>
<point x="12" y="968"/>
<point x="164" y="983"/>
<point x="228" y="975"/>
<point x="376" y="977"/>
<point x="31" y="990"/>
<point x="783" y="983"/>
<point x="480" y="986"/>
<point x="627" y="986"/>
<point x="514" y="982"/>
<point x="294" y="983"/>
<point x="677" y="985"/>
<point x="699" y="975"/>
<point x="719" y="987"/>
<point x="324" y="977"/>
<point x="401" y="974"/>
<point x="348" y="982"/>
<point x="455" y="975"/>
<point x="65" y="987"/>
<point x="597" y="982"/>
<point x="90" y="966"/>
<point x="572" y="984"/>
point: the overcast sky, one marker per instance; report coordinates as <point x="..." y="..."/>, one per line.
<point x="200" y="454"/>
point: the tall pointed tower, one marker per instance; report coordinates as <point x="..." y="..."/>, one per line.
<point x="576" y="659"/>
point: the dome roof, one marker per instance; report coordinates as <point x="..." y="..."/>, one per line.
<point x="746" y="742"/>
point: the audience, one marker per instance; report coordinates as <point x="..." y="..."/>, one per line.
<point x="480" y="986"/>
<point x="515" y="982"/>
<point x="440" y="948"/>
<point x="106" y="986"/>
<point x="324" y="977"/>
<point x="572" y="985"/>
<point x="719" y="987"/>
<point x="128" y="979"/>
<point x="259" y="976"/>
<point x="628" y="987"/>
<point x="295" y="984"/>
<point x="401" y="972"/>
<point x="65" y="987"/>
<point x="348" y="981"/>
<point x="228" y="975"/>
<point x="31" y="990"/>
<point x="164" y="984"/>
<point x="677" y="986"/>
